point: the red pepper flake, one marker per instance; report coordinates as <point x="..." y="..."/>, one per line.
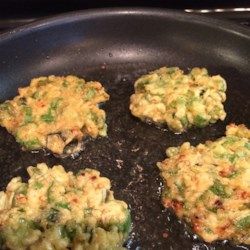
<point x="75" y="200"/>
<point x="223" y="228"/>
<point x="177" y="205"/>
<point x="244" y="195"/>
<point x="218" y="204"/>
<point x="93" y="177"/>
<point x="227" y="171"/>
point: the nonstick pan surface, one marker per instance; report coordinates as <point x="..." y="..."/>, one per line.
<point x="115" y="46"/>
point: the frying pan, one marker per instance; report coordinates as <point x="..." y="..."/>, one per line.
<point x="115" y="46"/>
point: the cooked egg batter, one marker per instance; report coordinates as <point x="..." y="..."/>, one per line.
<point x="168" y="96"/>
<point x="209" y="185"/>
<point x="59" y="210"/>
<point x="55" y="111"/>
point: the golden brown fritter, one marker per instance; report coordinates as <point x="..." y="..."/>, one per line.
<point x="60" y="210"/>
<point x="168" y="96"/>
<point x="54" y="111"/>
<point x="209" y="185"/>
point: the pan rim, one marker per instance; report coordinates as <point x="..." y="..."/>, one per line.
<point x="73" y="16"/>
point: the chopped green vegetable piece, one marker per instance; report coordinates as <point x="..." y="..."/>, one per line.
<point x="22" y="189"/>
<point x="208" y="230"/>
<point x="38" y="185"/>
<point x="64" y="205"/>
<point x="141" y="85"/>
<point x="94" y="117"/>
<point x="80" y="84"/>
<point x="68" y="231"/>
<point x="43" y="82"/>
<point x="181" y="188"/>
<point x="212" y="209"/>
<point x="55" y="103"/>
<point x="247" y="145"/>
<point x="243" y="223"/>
<point x="49" y="196"/>
<point x="65" y="84"/>
<point x="35" y="225"/>
<point x="171" y="70"/>
<point x="232" y="157"/>
<point x="53" y="215"/>
<point x="166" y="193"/>
<point x="27" y="115"/>
<point x="36" y="95"/>
<point x="30" y="144"/>
<point x="7" y="106"/>
<point x="90" y="94"/>
<point x="48" y="117"/>
<point x="230" y="140"/>
<point x="219" y="189"/>
<point x="125" y="227"/>
<point x="199" y="121"/>
<point x="173" y="171"/>
<point x="184" y="121"/>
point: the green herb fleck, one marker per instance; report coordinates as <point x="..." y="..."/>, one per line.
<point x="90" y="94"/>
<point x="65" y="84"/>
<point x="173" y="171"/>
<point x="247" y="145"/>
<point x="68" y="231"/>
<point x="219" y="189"/>
<point x="208" y="230"/>
<point x="22" y="189"/>
<point x="199" y="121"/>
<point x="181" y="188"/>
<point x="48" y="117"/>
<point x="53" y="215"/>
<point x="7" y="106"/>
<point x="64" y="205"/>
<point x="35" y="95"/>
<point x="80" y="84"/>
<point x="141" y="84"/>
<point x="212" y="209"/>
<point x="43" y="82"/>
<point x="184" y="121"/>
<point x="55" y="103"/>
<point x="38" y="185"/>
<point x="27" y="114"/>
<point x="35" y="225"/>
<point x="30" y="144"/>
<point x="229" y="140"/>
<point x="49" y="191"/>
<point x="232" y="157"/>
<point x="243" y="223"/>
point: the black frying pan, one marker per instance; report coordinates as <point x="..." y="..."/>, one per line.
<point x="115" y="46"/>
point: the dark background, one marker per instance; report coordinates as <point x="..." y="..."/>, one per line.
<point x="14" y="13"/>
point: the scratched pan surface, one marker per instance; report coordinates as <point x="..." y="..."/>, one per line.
<point x="115" y="46"/>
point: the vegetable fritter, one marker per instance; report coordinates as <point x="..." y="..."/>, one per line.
<point x="55" y="111"/>
<point x="59" y="210"/>
<point x="168" y="96"/>
<point x="209" y="185"/>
